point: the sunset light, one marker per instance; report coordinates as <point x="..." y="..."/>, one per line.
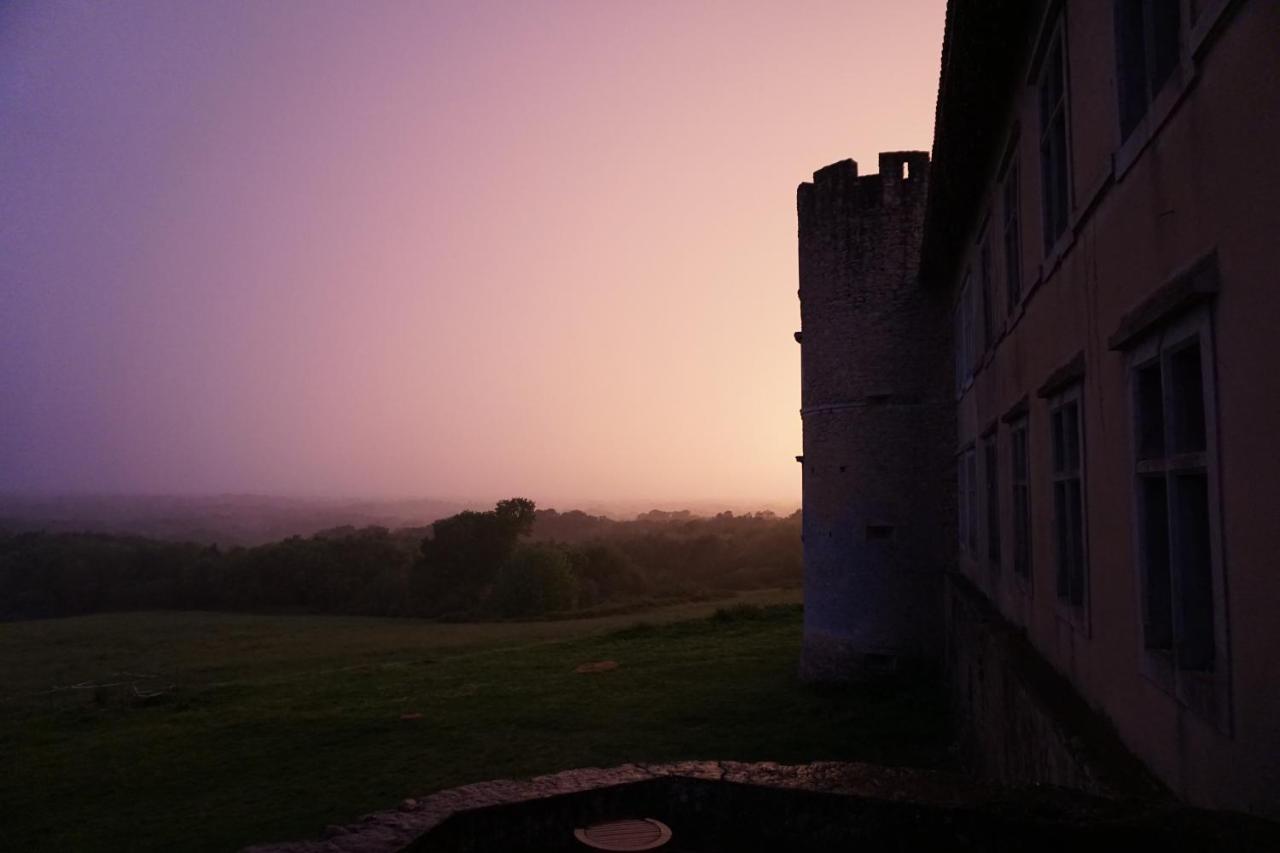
<point x="451" y="249"/>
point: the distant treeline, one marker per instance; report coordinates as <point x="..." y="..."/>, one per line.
<point x="511" y="561"/>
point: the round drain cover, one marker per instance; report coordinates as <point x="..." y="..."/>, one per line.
<point x="637" y="834"/>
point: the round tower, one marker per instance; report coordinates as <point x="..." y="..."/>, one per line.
<point x="877" y="411"/>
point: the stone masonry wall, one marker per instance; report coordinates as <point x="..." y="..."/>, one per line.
<point x="878" y="421"/>
<point x="1020" y="722"/>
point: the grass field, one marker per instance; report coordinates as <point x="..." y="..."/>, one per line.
<point x="270" y="727"/>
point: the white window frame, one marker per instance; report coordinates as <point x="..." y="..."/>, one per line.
<point x="1011" y="231"/>
<point x="991" y="492"/>
<point x="1057" y="33"/>
<point x="1077" y="614"/>
<point x="971" y="476"/>
<point x="966" y="500"/>
<point x="1177" y="73"/>
<point x="1205" y="693"/>
<point x="965" y="353"/>
<point x="986" y="288"/>
<point x="1020" y="426"/>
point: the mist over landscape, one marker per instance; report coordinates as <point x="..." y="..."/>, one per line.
<point x="255" y="519"/>
<point x="426" y="250"/>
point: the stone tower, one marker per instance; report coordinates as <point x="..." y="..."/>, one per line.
<point x="878" y="415"/>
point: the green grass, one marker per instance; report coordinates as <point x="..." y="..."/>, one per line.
<point x="278" y="725"/>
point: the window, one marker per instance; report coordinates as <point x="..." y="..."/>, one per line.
<point x="1012" y="241"/>
<point x="988" y="298"/>
<point x="992" y="472"/>
<point x="957" y="336"/>
<point x="967" y="492"/>
<point x="1021" y="498"/>
<point x="1175" y="514"/>
<point x="1067" y="442"/>
<point x="1054" y="179"/>
<point x="965" y="342"/>
<point x="1148" y="34"/>
<point x="971" y="480"/>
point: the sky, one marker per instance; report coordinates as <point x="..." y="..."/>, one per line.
<point x="451" y="249"/>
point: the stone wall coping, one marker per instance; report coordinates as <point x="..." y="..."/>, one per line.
<point x="392" y="830"/>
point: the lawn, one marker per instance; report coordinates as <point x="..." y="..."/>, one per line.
<point x="275" y="726"/>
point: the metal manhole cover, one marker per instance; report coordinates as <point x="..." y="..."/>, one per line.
<point x="636" y="834"/>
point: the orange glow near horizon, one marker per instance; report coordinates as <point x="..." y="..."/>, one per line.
<point x="463" y="250"/>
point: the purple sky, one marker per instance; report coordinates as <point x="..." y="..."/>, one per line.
<point x="454" y="249"/>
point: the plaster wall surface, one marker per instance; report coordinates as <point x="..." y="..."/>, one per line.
<point x="1196" y="187"/>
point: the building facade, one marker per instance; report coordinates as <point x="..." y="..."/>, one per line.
<point x="1101" y="220"/>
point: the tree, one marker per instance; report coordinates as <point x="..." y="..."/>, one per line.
<point x="537" y="579"/>
<point x="459" y="562"/>
<point x="517" y="513"/>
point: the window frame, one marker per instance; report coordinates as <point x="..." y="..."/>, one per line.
<point x="966" y="338"/>
<point x="971" y="461"/>
<point x="991" y="501"/>
<point x="1019" y="429"/>
<point x="1206" y="693"/>
<point x="1056" y="41"/>
<point x="967" y="500"/>
<point x="1175" y="78"/>
<point x="1011" y="225"/>
<point x="1077" y="614"/>
<point x="986" y="285"/>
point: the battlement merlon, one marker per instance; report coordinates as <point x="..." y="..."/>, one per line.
<point x="904" y="165"/>
<point x="838" y="187"/>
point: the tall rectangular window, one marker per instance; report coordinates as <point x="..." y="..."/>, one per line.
<point x="1054" y="166"/>
<point x="965" y="345"/>
<point x="971" y="499"/>
<point x="991" y="471"/>
<point x="970" y="329"/>
<point x="1171" y="443"/>
<point x="1148" y="45"/>
<point x="1067" y="442"/>
<point x="957" y="361"/>
<point x="1019" y="476"/>
<point x="1012" y="241"/>
<point x="988" y="297"/>
<point x="967" y="492"/>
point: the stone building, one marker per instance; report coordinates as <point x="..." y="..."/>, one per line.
<point x="878" y="417"/>
<point x="1085" y="512"/>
